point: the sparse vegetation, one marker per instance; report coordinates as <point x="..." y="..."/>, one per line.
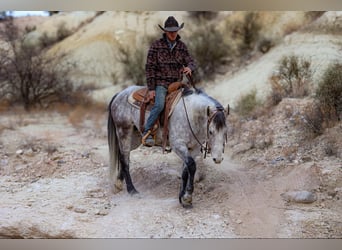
<point x="133" y="61"/>
<point x="47" y="40"/>
<point x="199" y="15"/>
<point x="329" y="92"/>
<point x="62" y="32"/>
<point x="209" y="50"/>
<point x="292" y="79"/>
<point x="247" y="104"/>
<point x="313" y="120"/>
<point x="29" y="76"/>
<point x="247" y="32"/>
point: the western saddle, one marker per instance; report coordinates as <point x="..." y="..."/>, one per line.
<point x="140" y="99"/>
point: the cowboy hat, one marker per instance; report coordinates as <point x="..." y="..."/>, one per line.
<point x="171" y="25"/>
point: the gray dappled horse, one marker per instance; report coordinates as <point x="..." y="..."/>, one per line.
<point x="197" y="125"/>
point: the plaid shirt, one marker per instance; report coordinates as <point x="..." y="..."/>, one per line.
<point x="164" y="65"/>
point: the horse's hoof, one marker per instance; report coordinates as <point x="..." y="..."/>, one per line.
<point x="117" y="187"/>
<point x="133" y="192"/>
<point x="186" y="201"/>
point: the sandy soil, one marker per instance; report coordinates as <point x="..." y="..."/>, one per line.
<point x="54" y="166"/>
<point x="54" y="184"/>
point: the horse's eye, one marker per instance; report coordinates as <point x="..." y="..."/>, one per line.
<point x="210" y="132"/>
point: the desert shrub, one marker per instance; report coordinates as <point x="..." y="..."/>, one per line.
<point x="264" y="45"/>
<point x="27" y="75"/>
<point x="329" y="92"/>
<point x="331" y="147"/>
<point x="291" y="79"/>
<point x="133" y="61"/>
<point x="247" y="104"/>
<point x="202" y="14"/>
<point x="29" y="29"/>
<point x="62" y="31"/>
<point x="46" y="40"/>
<point x="247" y="32"/>
<point x="210" y="51"/>
<point x="313" y="120"/>
<point x="312" y="15"/>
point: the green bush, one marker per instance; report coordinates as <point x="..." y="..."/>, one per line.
<point x="329" y="92"/>
<point x="247" y="104"/>
<point x="246" y="32"/>
<point x="207" y="46"/>
<point x="133" y="61"/>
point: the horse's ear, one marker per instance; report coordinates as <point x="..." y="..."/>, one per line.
<point x="227" y="111"/>
<point x="208" y="111"/>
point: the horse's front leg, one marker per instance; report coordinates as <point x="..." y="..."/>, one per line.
<point x="200" y="168"/>
<point x="187" y="187"/>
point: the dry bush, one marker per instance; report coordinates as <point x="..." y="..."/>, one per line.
<point x="277" y="91"/>
<point x="27" y="75"/>
<point x="247" y="104"/>
<point x="264" y="45"/>
<point x="313" y="15"/>
<point x="62" y="32"/>
<point x="329" y="93"/>
<point x="133" y="60"/>
<point x="313" y="120"/>
<point x="247" y="32"/>
<point x="200" y="15"/>
<point x="292" y="79"/>
<point x="209" y="50"/>
<point x="331" y="147"/>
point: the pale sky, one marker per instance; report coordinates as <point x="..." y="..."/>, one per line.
<point x="29" y="13"/>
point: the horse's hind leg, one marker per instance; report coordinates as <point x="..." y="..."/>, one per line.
<point x="125" y="134"/>
<point x="118" y="182"/>
<point x="127" y="176"/>
<point x="187" y="187"/>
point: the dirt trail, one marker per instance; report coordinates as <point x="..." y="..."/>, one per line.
<point x="54" y="184"/>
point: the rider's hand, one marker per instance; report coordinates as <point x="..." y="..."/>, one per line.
<point x="187" y="71"/>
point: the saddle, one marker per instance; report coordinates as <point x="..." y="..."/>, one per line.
<point x="140" y="99"/>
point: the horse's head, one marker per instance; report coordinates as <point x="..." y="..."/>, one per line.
<point x="216" y="133"/>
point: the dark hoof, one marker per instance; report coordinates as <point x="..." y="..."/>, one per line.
<point x="133" y="192"/>
<point x="186" y="200"/>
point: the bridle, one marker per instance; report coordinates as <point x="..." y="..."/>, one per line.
<point x="206" y="148"/>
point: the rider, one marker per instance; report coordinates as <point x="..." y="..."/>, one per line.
<point x="167" y="60"/>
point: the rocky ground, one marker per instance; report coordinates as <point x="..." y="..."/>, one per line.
<point x="276" y="181"/>
<point x="54" y="184"/>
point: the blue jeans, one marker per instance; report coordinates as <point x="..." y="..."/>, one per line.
<point x="157" y="108"/>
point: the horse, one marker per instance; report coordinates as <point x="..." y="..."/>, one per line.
<point x="197" y="127"/>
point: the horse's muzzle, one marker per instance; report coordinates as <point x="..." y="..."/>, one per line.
<point x="218" y="160"/>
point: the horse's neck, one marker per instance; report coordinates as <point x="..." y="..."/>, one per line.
<point x="199" y="110"/>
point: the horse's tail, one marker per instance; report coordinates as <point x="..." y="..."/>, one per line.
<point x="114" y="164"/>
